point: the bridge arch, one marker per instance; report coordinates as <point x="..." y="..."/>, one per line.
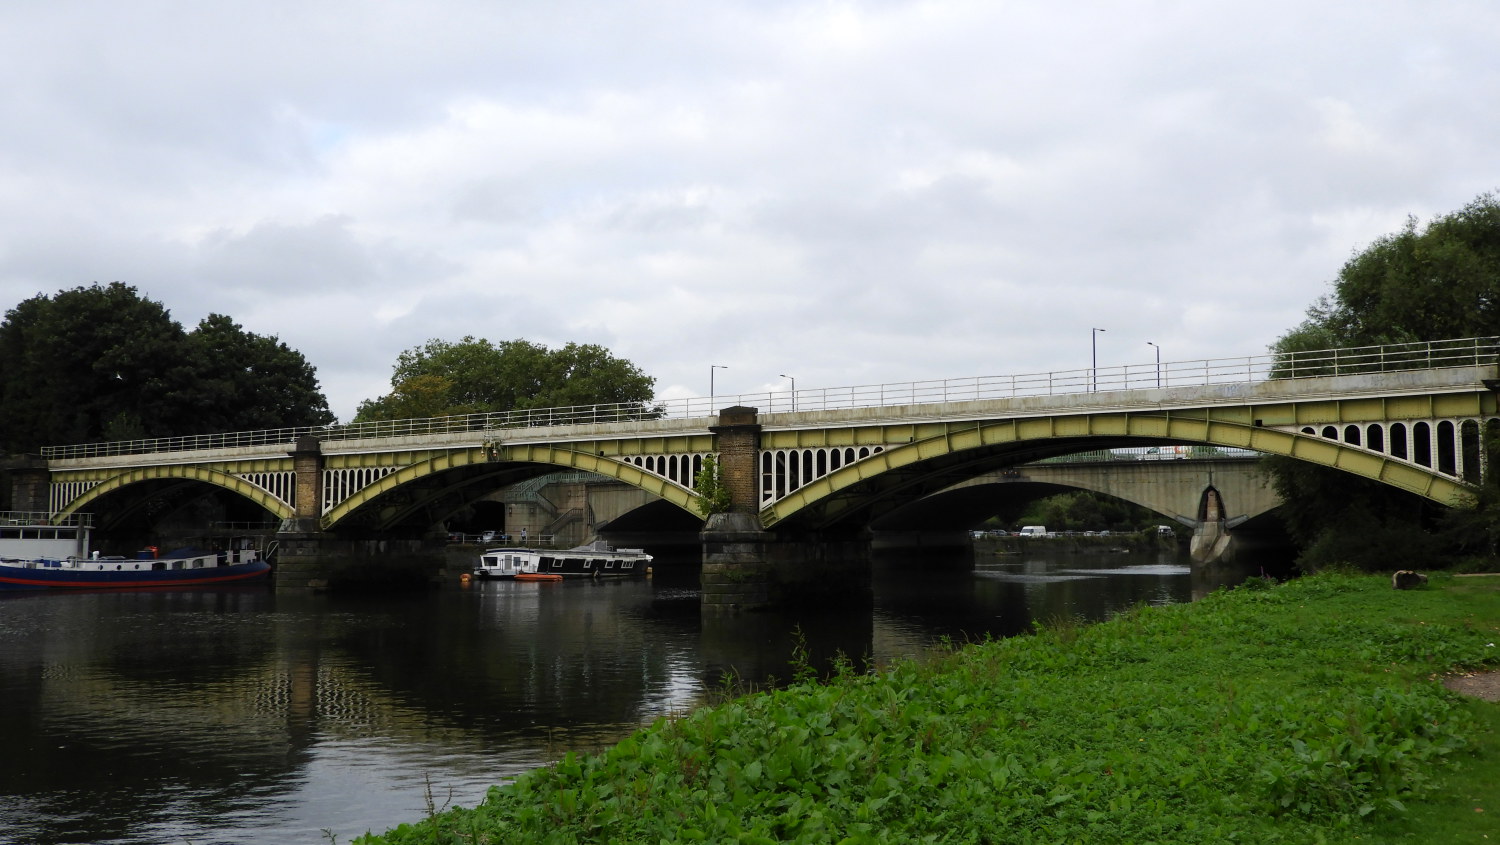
<point x="991" y="442"/>
<point x="187" y="472"/>
<point x="498" y="457"/>
<point x="622" y="469"/>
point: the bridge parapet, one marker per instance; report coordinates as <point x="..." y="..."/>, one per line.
<point x="1082" y="384"/>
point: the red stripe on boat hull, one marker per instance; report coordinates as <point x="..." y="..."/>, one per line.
<point x="120" y="581"/>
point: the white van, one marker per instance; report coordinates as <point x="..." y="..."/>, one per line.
<point x="1033" y="531"/>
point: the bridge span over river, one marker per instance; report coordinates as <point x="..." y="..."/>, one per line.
<point x="808" y="471"/>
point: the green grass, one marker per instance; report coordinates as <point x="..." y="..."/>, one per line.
<point x="1306" y="712"/>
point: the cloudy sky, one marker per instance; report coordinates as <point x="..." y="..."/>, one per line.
<point x="845" y="192"/>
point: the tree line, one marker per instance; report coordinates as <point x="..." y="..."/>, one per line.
<point x="104" y="363"/>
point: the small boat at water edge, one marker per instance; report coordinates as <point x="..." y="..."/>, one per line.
<point x="596" y="560"/>
<point x="501" y="564"/>
<point x="38" y="555"/>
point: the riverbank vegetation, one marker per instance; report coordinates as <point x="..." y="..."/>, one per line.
<point x="1306" y="712"/>
<point x="1077" y="510"/>
<point x="1424" y="283"/>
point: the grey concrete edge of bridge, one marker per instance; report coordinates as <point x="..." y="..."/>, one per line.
<point x="1413" y="382"/>
<point x="1445" y="380"/>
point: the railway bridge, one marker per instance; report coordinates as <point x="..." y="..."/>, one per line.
<point x="808" y="471"/>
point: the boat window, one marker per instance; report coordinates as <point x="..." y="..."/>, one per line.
<point x="588" y="564"/>
<point x="609" y="564"/>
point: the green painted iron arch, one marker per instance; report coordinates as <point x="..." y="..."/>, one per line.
<point x="607" y="466"/>
<point x="1424" y="482"/>
<point x="558" y="456"/>
<point x="405" y="475"/>
<point x="188" y="472"/>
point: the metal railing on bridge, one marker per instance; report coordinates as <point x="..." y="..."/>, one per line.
<point x="1200" y="372"/>
<point x="32" y="518"/>
<point x="1130" y="454"/>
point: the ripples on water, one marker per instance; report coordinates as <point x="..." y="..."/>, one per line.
<point x="242" y="716"/>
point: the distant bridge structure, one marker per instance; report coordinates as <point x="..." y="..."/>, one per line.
<point x="1206" y="490"/>
<point x="1409" y="415"/>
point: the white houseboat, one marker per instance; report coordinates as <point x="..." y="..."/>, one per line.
<point x="596" y="560"/>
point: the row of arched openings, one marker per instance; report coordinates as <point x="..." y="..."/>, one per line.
<point x="340" y="484"/>
<point x="282" y="484"/>
<point x="681" y="469"/>
<point x="1451" y="449"/>
<point x="62" y="494"/>
<point x="783" y="471"/>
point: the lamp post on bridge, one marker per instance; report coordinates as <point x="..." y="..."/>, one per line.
<point x="794" y="390"/>
<point x="1158" y="361"/>
<point x="1094" y="369"/>
<point x="711" y="368"/>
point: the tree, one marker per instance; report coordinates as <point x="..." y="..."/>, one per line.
<point x="1432" y="283"/>
<point x="85" y="362"/>
<point x="474" y="375"/>
<point x="238" y="380"/>
<point x="1084" y="510"/>
<point x="1428" y="283"/>
<point x="713" y="493"/>
<point x="104" y="363"/>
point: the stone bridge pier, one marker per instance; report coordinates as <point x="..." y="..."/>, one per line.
<point x="746" y="567"/>
<point x="309" y="556"/>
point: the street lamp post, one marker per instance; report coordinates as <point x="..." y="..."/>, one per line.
<point x="794" y="390"/>
<point x="1094" y="370"/>
<point x="1158" y="361"/>
<point x="711" y="368"/>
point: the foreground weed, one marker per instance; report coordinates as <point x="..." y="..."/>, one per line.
<point x="1287" y="714"/>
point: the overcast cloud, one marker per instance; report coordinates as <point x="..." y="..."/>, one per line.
<point x="848" y="193"/>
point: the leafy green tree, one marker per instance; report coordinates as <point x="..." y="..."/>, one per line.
<point x="85" y="362"/>
<point x="237" y="380"/>
<point x="104" y="363"/>
<point x="1436" y="282"/>
<point x="474" y="375"/>
<point x="1084" y="510"/>
<point x="1338" y="519"/>
<point x="713" y="493"/>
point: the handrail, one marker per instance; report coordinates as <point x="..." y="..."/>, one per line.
<point x="1132" y="454"/>
<point x="72" y="520"/>
<point x="1198" y="372"/>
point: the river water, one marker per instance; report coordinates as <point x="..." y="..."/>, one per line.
<point x="243" y="716"/>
